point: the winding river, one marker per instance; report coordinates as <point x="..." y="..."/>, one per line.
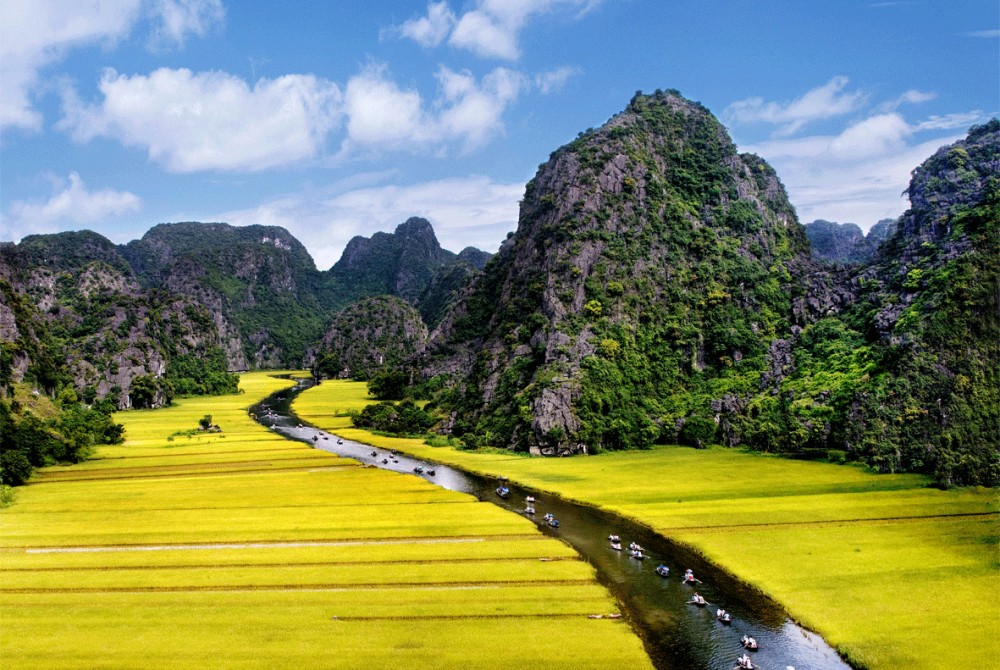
<point x="677" y="635"/>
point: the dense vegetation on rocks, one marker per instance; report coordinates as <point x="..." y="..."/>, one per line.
<point x="659" y="288"/>
<point x="368" y="335"/>
<point x="844" y="242"/>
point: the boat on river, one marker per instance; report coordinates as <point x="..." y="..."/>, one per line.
<point x="744" y="663"/>
<point x="663" y="571"/>
<point x="749" y="643"/>
<point x="419" y="470"/>
<point x="554" y="522"/>
<point x="503" y="491"/>
<point x="723" y="616"/>
<point x="617" y="546"/>
<point x="698" y="600"/>
<point x="637" y="554"/>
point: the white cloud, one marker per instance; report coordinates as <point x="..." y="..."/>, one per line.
<point x="430" y="30"/>
<point x="465" y="211"/>
<point x="178" y="18"/>
<point x="36" y="34"/>
<point x="190" y="121"/>
<point x="71" y="204"/>
<point x="823" y="102"/>
<point x="950" y="121"/>
<point x="473" y="112"/>
<point x="859" y="174"/>
<point x="553" y="80"/>
<point x="383" y="116"/>
<point x="490" y="29"/>
<point x="379" y="112"/>
<point x="210" y="120"/>
<point x="487" y="36"/>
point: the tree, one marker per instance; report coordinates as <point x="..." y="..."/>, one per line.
<point x="388" y="385"/>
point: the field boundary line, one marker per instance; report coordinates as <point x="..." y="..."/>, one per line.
<point x="308" y="564"/>
<point x="193" y="474"/>
<point x="887" y="520"/>
<point x="277" y="544"/>
<point x="356" y="586"/>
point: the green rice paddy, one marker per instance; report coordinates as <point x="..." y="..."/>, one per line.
<point x="892" y="573"/>
<point x="244" y="550"/>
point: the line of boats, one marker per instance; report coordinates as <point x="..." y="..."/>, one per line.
<point x="743" y="662"/>
<point x="636" y="551"/>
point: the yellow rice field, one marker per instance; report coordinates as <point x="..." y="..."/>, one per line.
<point x="892" y="573"/>
<point x="244" y="550"/>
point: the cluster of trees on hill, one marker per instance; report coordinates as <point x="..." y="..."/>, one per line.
<point x="67" y="436"/>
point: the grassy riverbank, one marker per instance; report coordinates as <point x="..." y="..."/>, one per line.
<point x="891" y="572"/>
<point x="241" y="549"/>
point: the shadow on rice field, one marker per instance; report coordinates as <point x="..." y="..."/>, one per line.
<point x="890" y="571"/>
<point x="241" y="549"/>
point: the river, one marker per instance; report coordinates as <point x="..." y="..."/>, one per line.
<point x="677" y="635"/>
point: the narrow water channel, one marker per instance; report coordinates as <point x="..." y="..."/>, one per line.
<point x="677" y="635"/>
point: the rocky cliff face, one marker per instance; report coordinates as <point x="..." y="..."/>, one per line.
<point x="659" y="288"/>
<point x="844" y="242"/>
<point x="410" y="264"/>
<point x="648" y="253"/>
<point x="252" y="292"/>
<point x="72" y="312"/>
<point x="259" y="282"/>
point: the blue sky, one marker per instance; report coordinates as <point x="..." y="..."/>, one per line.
<point x="341" y="118"/>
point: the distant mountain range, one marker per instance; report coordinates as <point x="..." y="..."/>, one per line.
<point x="250" y="295"/>
<point x="659" y="288"/>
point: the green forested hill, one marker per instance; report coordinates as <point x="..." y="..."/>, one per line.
<point x="659" y="288"/>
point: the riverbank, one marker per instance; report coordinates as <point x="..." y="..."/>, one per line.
<point x="242" y="549"/>
<point x="891" y="572"/>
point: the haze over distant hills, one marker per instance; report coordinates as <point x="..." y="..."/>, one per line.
<point x="659" y="288"/>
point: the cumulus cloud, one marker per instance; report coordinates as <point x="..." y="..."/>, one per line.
<point x="490" y="29"/>
<point x="822" y="102"/>
<point x="73" y="204"/>
<point x="211" y="120"/>
<point x="36" y="34"/>
<point x="381" y="115"/>
<point x="189" y="121"/>
<point x="472" y="111"/>
<point x="465" y="211"/>
<point x="430" y="30"/>
<point x="857" y="175"/>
